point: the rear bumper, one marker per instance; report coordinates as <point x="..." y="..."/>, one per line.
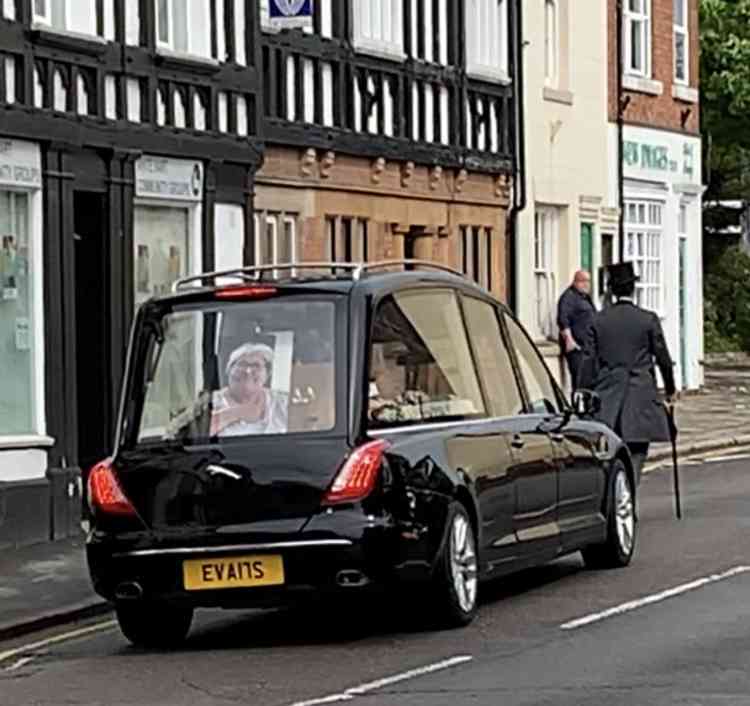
<point x="379" y="550"/>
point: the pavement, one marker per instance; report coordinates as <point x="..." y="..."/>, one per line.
<point x="673" y="628"/>
<point x="46" y="585"/>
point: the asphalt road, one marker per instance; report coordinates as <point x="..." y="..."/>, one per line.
<point x="673" y="628"/>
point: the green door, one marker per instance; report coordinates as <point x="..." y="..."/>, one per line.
<point x="587" y="247"/>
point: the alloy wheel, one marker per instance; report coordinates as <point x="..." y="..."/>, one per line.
<point x="624" y="513"/>
<point x="464" y="562"/>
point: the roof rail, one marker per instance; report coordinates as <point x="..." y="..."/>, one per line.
<point x="357" y="269"/>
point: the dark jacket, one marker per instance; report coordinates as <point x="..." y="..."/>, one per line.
<point x="575" y="311"/>
<point x="624" y="343"/>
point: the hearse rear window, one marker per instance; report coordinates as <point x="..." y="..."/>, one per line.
<point x="421" y="367"/>
<point x="240" y="370"/>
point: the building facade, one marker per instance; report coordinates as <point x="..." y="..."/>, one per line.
<point x="656" y="171"/>
<point x="570" y="221"/>
<point x="390" y="133"/>
<point x="132" y="135"/>
<point x="127" y="132"/>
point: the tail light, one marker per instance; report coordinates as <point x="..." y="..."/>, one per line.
<point x="357" y="478"/>
<point x="245" y="292"/>
<point x="105" y="494"/>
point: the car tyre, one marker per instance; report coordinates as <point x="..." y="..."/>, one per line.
<point x="622" y="525"/>
<point x="455" y="582"/>
<point x="154" y="625"/>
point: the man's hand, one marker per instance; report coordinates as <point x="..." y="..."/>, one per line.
<point x="570" y="342"/>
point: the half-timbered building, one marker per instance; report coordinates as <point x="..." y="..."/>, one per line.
<point x="141" y="140"/>
<point x="127" y="131"/>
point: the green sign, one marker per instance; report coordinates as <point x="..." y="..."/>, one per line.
<point x="657" y="158"/>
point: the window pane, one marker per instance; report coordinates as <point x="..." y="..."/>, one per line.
<point x="162" y="20"/>
<point x="162" y="249"/>
<point x="269" y="249"/>
<point x="180" y="26"/>
<point x="493" y="359"/>
<point x="273" y="366"/>
<point x="17" y="403"/>
<point x="679" y="13"/>
<point x="40" y="8"/>
<point x="286" y="243"/>
<point x="550" y="41"/>
<point x="636" y="46"/>
<point x="538" y="380"/>
<point x="680" y="55"/>
<point x="420" y="364"/>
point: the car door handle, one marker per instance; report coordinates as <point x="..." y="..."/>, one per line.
<point x="518" y="442"/>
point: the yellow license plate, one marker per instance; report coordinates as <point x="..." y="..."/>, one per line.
<point x="232" y="572"/>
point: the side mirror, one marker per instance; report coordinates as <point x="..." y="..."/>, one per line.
<point x="586" y="403"/>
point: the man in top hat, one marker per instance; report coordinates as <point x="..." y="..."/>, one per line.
<point x="625" y="343"/>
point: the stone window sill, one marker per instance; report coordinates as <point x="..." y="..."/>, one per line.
<point x="556" y="95"/>
<point x="685" y="93"/>
<point x="643" y="85"/>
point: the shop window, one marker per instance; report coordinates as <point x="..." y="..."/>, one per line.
<point x="275" y="238"/>
<point x="486" y="44"/>
<point x="546" y="235"/>
<point x="421" y="367"/>
<point x="347" y="239"/>
<point x="643" y="243"/>
<point x="229" y="236"/>
<point x="681" y="42"/>
<point x="477" y="254"/>
<point x="18" y="412"/>
<point x="637" y="37"/>
<point x="378" y="27"/>
<point x="66" y="15"/>
<point x="163" y="250"/>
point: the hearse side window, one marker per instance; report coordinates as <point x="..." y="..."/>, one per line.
<point x="539" y="384"/>
<point x="421" y="369"/>
<point x="239" y="370"/>
<point x="493" y="359"/>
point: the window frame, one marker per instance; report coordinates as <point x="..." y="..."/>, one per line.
<point x="169" y="45"/>
<point x="650" y="230"/>
<point x="376" y="429"/>
<point x="477" y="252"/>
<point x="279" y="220"/>
<point x="551" y="44"/>
<point x="504" y="340"/>
<point x="645" y="20"/>
<point x="545" y="260"/>
<point x="393" y="50"/>
<point x="562" y="402"/>
<point x="683" y="31"/>
<point x="476" y="67"/>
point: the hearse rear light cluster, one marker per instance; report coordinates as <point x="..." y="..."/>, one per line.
<point x="357" y="478"/>
<point x="246" y="292"/>
<point x="105" y="494"/>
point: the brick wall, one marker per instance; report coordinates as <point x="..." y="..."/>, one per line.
<point x="662" y="111"/>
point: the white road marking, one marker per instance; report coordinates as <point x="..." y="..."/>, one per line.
<point x="654" y="598"/>
<point x="20" y="663"/>
<point x="64" y="637"/>
<point x="720" y="459"/>
<point x="362" y="689"/>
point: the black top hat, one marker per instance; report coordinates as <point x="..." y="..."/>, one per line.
<point x="621" y="274"/>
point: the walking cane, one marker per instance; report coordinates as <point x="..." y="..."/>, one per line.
<point x="669" y="409"/>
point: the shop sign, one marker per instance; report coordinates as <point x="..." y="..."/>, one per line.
<point x="168" y="179"/>
<point x="20" y="165"/>
<point x="660" y="158"/>
<point x="287" y="14"/>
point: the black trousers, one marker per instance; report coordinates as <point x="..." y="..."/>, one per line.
<point x="638" y="454"/>
<point x="575" y="363"/>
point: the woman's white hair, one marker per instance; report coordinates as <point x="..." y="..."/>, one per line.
<point x="250" y="349"/>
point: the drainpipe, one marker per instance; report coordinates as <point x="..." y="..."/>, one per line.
<point x="519" y="157"/>
<point x="620" y="134"/>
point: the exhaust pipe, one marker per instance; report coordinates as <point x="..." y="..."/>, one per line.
<point x="129" y="591"/>
<point x="351" y="578"/>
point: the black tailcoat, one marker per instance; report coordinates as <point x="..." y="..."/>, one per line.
<point x="625" y="342"/>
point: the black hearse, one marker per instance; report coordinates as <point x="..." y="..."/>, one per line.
<point x="286" y="432"/>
